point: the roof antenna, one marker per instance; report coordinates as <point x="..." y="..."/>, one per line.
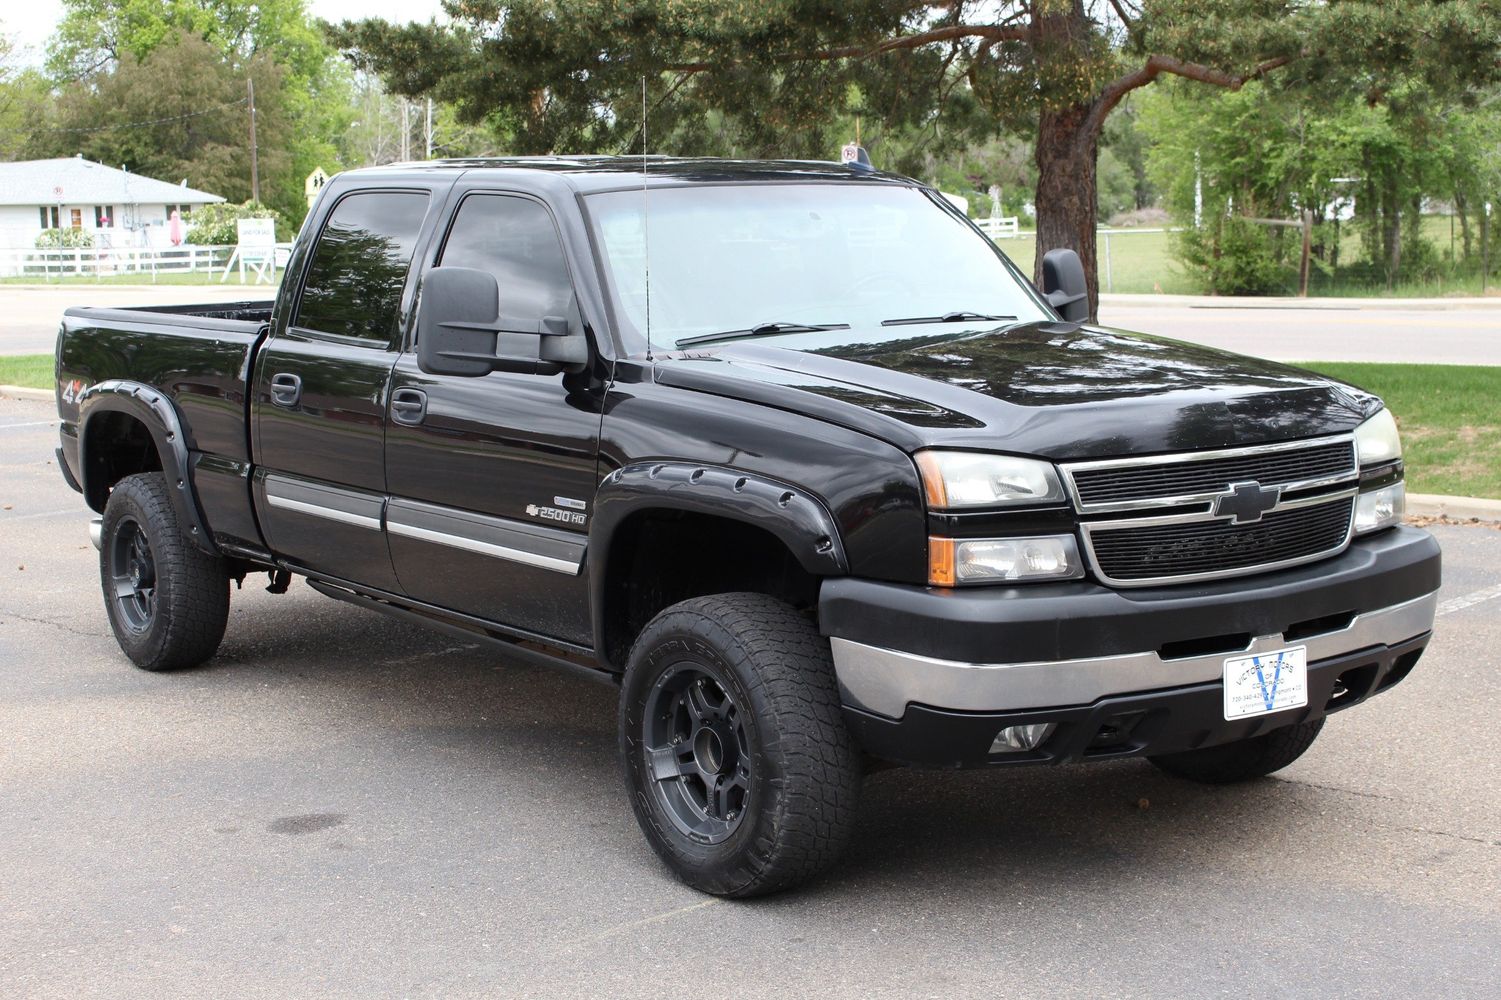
<point x="645" y="222"/>
<point x="854" y="156"/>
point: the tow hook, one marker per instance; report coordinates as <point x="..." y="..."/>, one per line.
<point x="96" y="533"/>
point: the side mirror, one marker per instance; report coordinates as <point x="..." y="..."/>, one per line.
<point x="1063" y="285"/>
<point x="460" y="329"/>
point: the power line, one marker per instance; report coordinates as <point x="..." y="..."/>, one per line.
<point x="154" y="121"/>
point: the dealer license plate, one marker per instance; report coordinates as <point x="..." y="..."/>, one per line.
<point x="1266" y="683"/>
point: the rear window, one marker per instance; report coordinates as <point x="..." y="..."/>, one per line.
<point x="359" y="266"/>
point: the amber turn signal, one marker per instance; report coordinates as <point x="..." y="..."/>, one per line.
<point x="941" y="568"/>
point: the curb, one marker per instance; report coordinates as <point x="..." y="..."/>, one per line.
<point x="1458" y="508"/>
<point x="21" y="392"/>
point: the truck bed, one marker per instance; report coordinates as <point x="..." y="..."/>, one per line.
<point x="200" y="356"/>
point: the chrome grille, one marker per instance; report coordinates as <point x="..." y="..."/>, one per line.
<point x="1164" y="528"/>
<point x="1188" y="477"/>
<point x="1134" y="554"/>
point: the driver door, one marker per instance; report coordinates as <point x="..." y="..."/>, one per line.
<point x="492" y="477"/>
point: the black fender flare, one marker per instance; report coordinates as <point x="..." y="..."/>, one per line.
<point x="159" y="416"/>
<point x="791" y="514"/>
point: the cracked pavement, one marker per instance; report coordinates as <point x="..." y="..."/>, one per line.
<point x="344" y="805"/>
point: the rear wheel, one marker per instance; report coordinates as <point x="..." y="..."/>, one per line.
<point x="168" y="601"/>
<point x="740" y="768"/>
<point x="1243" y="759"/>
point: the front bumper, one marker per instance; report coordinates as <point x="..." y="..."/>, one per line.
<point x="930" y="676"/>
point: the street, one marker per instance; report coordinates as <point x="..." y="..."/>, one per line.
<point x="1278" y="329"/>
<point x="340" y="804"/>
<point x="29" y="315"/>
<point x="1325" y="330"/>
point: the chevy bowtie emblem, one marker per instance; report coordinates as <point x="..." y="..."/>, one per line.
<point x="1246" y="502"/>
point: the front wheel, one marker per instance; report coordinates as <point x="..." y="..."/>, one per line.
<point x="1243" y="759"/>
<point x="168" y="601"/>
<point x="741" y="771"/>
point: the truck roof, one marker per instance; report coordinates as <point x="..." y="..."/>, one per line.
<point x="598" y="173"/>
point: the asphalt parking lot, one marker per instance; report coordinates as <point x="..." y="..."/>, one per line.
<point x="342" y="805"/>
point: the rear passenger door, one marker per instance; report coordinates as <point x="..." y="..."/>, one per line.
<point x="319" y="409"/>
<point x="491" y="477"/>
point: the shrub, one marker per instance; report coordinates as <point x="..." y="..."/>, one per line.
<point x="68" y="239"/>
<point x="1239" y="258"/>
<point x="214" y="225"/>
<point x="1421" y="261"/>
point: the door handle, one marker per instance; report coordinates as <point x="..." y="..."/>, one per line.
<point x="408" y="406"/>
<point x="286" y="389"/>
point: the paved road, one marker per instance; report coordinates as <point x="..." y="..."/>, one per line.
<point x="1327" y="332"/>
<point x="29" y="318"/>
<point x="342" y="805"/>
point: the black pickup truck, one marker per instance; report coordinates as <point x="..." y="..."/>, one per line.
<point x="789" y="451"/>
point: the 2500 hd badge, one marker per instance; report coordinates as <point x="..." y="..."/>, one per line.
<point x="828" y="473"/>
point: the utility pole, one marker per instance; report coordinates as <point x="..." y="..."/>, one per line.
<point x="427" y="131"/>
<point x="406" y="130"/>
<point x="255" y="166"/>
<point x="1304" y="263"/>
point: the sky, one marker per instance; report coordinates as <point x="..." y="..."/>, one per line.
<point x="29" y="23"/>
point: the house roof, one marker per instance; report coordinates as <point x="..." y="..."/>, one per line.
<point x="84" y="182"/>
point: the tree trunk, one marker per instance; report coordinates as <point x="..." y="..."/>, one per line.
<point x="1461" y="209"/>
<point x="1067" y="212"/>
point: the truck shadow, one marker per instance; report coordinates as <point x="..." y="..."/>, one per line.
<point x="532" y="732"/>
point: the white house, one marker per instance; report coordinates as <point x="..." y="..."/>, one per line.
<point x="118" y="207"/>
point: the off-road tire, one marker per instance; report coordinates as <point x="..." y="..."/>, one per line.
<point x="183" y="622"/>
<point x="1243" y="759"/>
<point x="769" y="663"/>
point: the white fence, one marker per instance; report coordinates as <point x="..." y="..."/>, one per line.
<point x="56" y="263"/>
<point x="1000" y="227"/>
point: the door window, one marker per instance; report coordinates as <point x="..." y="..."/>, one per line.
<point x="359" y="266"/>
<point x="515" y="240"/>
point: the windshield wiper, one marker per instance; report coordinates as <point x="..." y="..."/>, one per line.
<point x="761" y="330"/>
<point x="959" y="316"/>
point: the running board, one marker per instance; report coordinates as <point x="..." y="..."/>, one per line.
<point x="511" y="645"/>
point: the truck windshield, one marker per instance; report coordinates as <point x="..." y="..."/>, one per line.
<point x="801" y="265"/>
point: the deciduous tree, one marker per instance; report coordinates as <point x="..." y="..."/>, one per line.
<point x="565" y="75"/>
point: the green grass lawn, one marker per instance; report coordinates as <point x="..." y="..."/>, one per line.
<point x="1450" y="421"/>
<point x="33" y="371"/>
<point x="1140" y="263"/>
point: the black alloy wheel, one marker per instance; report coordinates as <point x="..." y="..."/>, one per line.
<point x="133" y="573"/>
<point x="694" y="740"/>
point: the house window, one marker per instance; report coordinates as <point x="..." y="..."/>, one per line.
<point x="104" y="216"/>
<point x="75" y="218"/>
<point x="49" y="216"/>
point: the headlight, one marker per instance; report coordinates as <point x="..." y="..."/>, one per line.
<point x="1377" y="441"/>
<point x="958" y="561"/>
<point x="1380" y="508"/>
<point x="957" y="479"/>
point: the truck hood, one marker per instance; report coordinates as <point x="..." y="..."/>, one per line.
<point x="1056" y="390"/>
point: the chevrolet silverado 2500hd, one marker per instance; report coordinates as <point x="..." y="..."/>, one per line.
<point x="790" y="452"/>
